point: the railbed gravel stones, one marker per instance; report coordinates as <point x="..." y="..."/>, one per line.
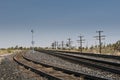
<point x="52" y="60"/>
<point x="10" y="70"/>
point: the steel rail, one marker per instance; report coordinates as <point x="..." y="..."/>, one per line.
<point x="50" y="77"/>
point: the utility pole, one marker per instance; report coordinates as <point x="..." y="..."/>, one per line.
<point x="55" y="44"/>
<point x="100" y="38"/>
<point x="69" y="43"/>
<point x="32" y="42"/>
<point x="62" y="44"/>
<point x="80" y="41"/>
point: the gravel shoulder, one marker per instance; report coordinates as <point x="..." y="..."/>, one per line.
<point x="10" y="70"/>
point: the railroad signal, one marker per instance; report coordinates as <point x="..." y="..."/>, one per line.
<point x="32" y="42"/>
<point x="80" y="41"/>
<point x="100" y="38"/>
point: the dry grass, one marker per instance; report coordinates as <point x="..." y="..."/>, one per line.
<point x="6" y="52"/>
<point x="117" y="53"/>
<point x="3" y="52"/>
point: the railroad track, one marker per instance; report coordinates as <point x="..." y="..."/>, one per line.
<point x="100" y="64"/>
<point x="93" y="55"/>
<point x="52" y="72"/>
<point x="43" y="70"/>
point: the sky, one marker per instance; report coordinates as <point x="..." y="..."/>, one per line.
<point x="58" y="20"/>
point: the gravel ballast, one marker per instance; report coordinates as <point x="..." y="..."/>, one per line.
<point x="52" y="60"/>
<point x="95" y="58"/>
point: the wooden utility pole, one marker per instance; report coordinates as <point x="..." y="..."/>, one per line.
<point x="52" y="45"/>
<point x="100" y="38"/>
<point x="69" y="43"/>
<point x="55" y="44"/>
<point x="80" y="41"/>
<point x="62" y="44"/>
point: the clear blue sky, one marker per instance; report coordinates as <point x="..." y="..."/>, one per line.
<point x="57" y="20"/>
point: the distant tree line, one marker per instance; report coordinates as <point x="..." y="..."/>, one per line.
<point x="19" y="48"/>
<point x="108" y="48"/>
